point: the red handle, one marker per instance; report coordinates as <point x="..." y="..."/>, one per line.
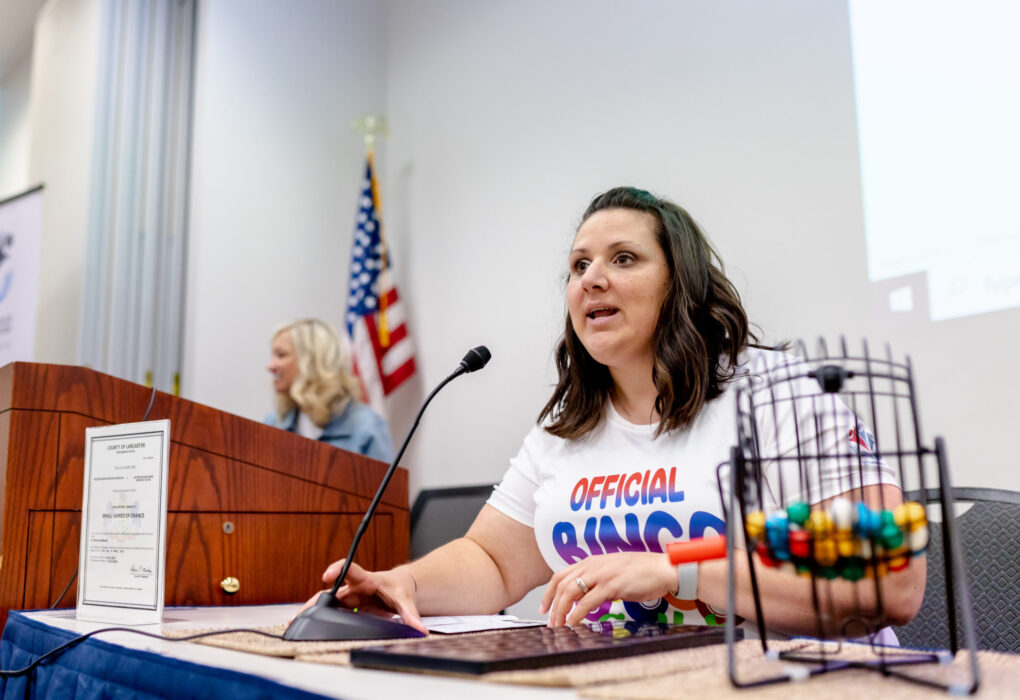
<point x="699" y="549"/>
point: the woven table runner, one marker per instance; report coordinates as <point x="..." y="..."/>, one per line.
<point x="700" y="672"/>
<point x="1000" y="679"/>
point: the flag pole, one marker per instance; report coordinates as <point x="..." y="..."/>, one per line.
<point x="370" y="126"/>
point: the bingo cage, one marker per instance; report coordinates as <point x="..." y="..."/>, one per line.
<point x="794" y="449"/>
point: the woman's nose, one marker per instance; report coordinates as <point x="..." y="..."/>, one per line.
<point x="594" y="276"/>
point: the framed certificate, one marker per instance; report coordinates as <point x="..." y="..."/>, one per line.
<point x="122" y="560"/>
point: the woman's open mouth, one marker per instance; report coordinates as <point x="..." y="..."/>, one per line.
<point x="601" y="312"/>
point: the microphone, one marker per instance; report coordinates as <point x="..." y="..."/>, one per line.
<point x="475" y="359"/>
<point x="326" y="620"/>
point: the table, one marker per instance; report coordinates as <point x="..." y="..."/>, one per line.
<point x="124" y="665"/>
<point x="137" y="666"/>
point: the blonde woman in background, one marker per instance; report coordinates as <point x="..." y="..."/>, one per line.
<point x="316" y="393"/>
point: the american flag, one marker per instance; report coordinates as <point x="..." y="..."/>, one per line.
<point x="383" y="353"/>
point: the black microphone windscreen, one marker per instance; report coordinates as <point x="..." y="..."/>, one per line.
<point x="476" y="358"/>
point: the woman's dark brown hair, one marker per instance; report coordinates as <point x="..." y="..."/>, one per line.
<point x="700" y="323"/>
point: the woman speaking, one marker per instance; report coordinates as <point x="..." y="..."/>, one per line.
<point x="623" y="458"/>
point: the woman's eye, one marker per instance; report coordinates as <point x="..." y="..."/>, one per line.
<point x="624" y="258"/>
<point x="580" y="266"/>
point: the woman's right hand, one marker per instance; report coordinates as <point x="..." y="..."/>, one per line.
<point x="375" y="592"/>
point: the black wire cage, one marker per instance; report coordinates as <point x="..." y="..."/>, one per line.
<point x="819" y="436"/>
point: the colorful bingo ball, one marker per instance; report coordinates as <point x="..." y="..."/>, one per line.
<point x="755" y="525"/>
<point x="777" y="531"/>
<point x="898" y="563"/>
<point x="842" y="512"/>
<point x="819" y="523"/>
<point x="868" y="521"/>
<point x="917" y="540"/>
<point x="910" y="516"/>
<point x="800" y="544"/>
<point x="890" y="536"/>
<point x="897" y="552"/>
<point x="853" y="570"/>
<point x="763" y="554"/>
<point x="826" y="552"/>
<point x="846" y="542"/>
<point x="798" y="512"/>
<point x="886" y="517"/>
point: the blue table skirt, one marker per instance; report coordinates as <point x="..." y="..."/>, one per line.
<point x="98" y="669"/>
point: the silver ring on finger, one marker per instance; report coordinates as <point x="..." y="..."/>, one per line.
<point x="581" y="584"/>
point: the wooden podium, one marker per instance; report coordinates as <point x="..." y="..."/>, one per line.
<point x="246" y="501"/>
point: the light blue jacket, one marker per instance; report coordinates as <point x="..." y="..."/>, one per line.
<point x="356" y="429"/>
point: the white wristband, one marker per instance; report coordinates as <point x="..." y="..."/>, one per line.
<point x="687" y="581"/>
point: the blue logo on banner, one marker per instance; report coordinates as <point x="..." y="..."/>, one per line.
<point x="6" y="240"/>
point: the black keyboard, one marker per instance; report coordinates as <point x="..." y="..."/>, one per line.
<point x="535" y="647"/>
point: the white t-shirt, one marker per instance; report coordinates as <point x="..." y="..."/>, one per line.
<point x="622" y="489"/>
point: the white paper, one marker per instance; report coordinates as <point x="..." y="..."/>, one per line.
<point x="123" y="544"/>
<point x="454" y="624"/>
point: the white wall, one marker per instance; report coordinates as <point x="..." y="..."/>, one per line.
<point x="15" y="131"/>
<point x="275" y="177"/>
<point x="64" y="67"/>
<point x="506" y="118"/>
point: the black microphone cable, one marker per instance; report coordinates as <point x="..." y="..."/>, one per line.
<point x="152" y="400"/>
<point x="57" y="651"/>
<point x="66" y="589"/>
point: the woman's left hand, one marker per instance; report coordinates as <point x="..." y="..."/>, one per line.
<point x="620" y="576"/>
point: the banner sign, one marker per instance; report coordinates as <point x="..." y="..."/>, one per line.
<point x="20" y="239"/>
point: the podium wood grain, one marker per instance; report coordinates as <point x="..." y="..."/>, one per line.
<point x="262" y="505"/>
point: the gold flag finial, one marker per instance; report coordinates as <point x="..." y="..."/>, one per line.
<point x="370" y="126"/>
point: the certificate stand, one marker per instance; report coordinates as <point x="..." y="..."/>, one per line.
<point x="122" y="558"/>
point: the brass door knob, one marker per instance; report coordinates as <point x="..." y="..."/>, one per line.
<point x="230" y="585"/>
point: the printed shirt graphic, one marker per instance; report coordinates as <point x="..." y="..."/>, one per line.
<point x="622" y="489"/>
<point x="862" y="442"/>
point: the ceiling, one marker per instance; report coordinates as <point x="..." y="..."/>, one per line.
<point x="17" y="20"/>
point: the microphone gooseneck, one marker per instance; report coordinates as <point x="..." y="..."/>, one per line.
<point x="325" y="620"/>
<point x="475" y="359"/>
